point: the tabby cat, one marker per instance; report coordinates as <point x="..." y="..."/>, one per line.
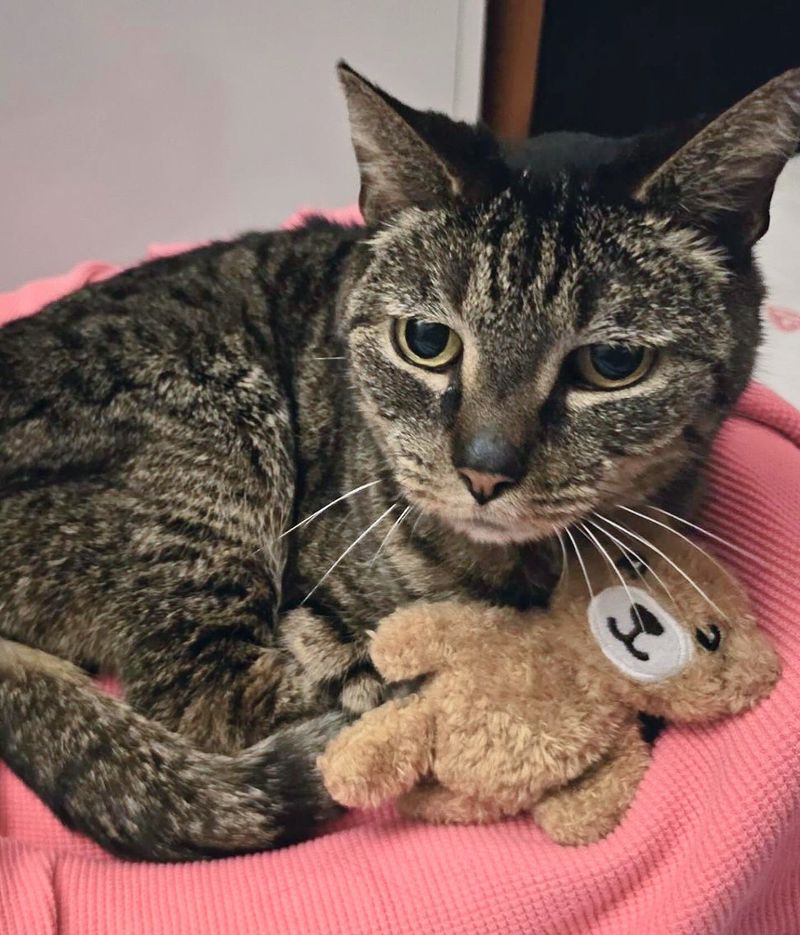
<point x="497" y="357"/>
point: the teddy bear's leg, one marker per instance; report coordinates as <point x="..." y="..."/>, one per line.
<point x="380" y="756"/>
<point x="592" y="805"/>
<point x="435" y="803"/>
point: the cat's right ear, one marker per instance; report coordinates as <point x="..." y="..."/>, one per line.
<point x="408" y="157"/>
<point x="722" y="179"/>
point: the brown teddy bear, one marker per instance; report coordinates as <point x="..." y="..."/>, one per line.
<point x="537" y="711"/>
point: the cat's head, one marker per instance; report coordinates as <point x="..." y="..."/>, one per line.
<point x="676" y="637"/>
<point x="526" y="352"/>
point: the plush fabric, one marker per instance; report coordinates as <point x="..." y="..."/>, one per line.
<point x="536" y="712"/>
<point x="711" y="843"/>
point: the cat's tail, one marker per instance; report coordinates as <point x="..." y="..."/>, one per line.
<point x="142" y="791"/>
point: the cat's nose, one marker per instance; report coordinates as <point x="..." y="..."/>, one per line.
<point x="488" y="464"/>
<point x="484" y="487"/>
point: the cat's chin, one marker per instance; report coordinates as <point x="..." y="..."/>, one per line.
<point x="490" y="533"/>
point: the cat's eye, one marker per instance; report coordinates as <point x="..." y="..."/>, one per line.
<point x="427" y="343"/>
<point x="612" y="366"/>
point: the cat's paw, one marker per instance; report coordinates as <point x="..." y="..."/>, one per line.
<point x="361" y="693"/>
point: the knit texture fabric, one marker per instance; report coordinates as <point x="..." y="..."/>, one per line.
<point x="710" y="845"/>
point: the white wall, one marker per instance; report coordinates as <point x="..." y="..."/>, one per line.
<point x="129" y="121"/>
<point x="779" y="355"/>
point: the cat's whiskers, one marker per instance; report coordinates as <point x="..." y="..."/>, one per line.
<point x="327" y="506"/>
<point x="707" y="532"/>
<point x="626" y="550"/>
<point x="416" y="522"/>
<point x="680" y="535"/>
<point x="604" y="552"/>
<point x="388" y="535"/>
<point x="329" y="358"/>
<point x="681" y="572"/>
<point x="349" y="549"/>
<point x="580" y="562"/>
<point x="564" y="559"/>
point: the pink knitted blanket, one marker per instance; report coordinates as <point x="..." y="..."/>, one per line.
<point x="711" y="844"/>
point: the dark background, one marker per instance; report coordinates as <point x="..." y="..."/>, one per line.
<point x="616" y="67"/>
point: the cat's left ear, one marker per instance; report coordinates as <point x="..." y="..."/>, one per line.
<point x="417" y="158"/>
<point x="722" y="179"/>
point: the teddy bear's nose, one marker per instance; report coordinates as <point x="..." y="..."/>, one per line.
<point x="488" y="464"/>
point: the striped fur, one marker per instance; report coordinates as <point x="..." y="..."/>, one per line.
<point x="161" y="430"/>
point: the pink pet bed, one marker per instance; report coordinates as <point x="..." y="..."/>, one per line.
<point x="711" y="844"/>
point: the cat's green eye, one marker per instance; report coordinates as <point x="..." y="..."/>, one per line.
<point x="612" y="366"/>
<point x="427" y="343"/>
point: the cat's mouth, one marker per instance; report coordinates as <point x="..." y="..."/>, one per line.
<point x="501" y="527"/>
<point x="499" y="524"/>
<point x="507" y="532"/>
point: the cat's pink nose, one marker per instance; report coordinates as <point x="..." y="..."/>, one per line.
<point x="482" y="486"/>
<point x="488" y="463"/>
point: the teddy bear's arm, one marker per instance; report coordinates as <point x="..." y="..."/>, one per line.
<point x="416" y="639"/>
<point x="380" y="756"/>
<point x="591" y="806"/>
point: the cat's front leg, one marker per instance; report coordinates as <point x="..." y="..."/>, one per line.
<point x="334" y="665"/>
<point x="210" y="665"/>
<point x="213" y="680"/>
<point x="228" y="697"/>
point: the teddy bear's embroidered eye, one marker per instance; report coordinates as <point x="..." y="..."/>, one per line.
<point x="709" y="642"/>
